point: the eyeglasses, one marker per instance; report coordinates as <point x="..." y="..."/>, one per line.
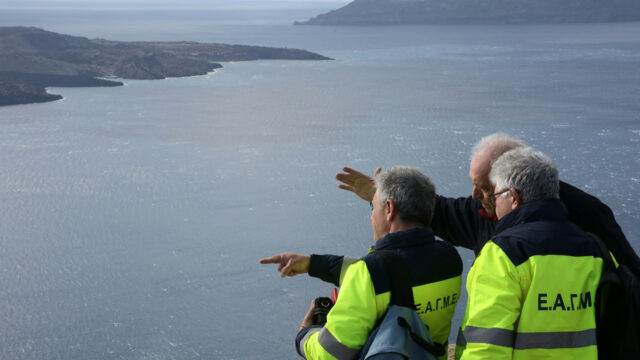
<point x="496" y="194"/>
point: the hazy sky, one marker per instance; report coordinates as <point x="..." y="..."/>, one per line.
<point x="234" y="4"/>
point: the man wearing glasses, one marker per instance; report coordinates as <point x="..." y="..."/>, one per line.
<point x="470" y="221"/>
<point x="532" y="288"/>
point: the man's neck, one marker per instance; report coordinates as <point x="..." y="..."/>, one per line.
<point x="400" y="225"/>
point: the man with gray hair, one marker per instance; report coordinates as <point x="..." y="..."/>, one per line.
<point x="531" y="290"/>
<point x="470" y="221"/>
<point x="529" y="171"/>
<point x="402" y="207"/>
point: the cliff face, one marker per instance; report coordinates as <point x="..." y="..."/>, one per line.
<point x="33" y="59"/>
<point x="397" y="12"/>
<point x="20" y="93"/>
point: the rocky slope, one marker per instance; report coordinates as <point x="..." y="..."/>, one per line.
<point x="32" y="59"/>
<point x="397" y="12"/>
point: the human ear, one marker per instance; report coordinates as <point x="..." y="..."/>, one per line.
<point x="390" y="210"/>
<point x="517" y="198"/>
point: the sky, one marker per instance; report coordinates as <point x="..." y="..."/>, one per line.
<point x="168" y="4"/>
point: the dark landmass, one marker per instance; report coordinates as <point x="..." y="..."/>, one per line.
<point x="12" y="93"/>
<point x="401" y="12"/>
<point x="44" y="80"/>
<point x="32" y="59"/>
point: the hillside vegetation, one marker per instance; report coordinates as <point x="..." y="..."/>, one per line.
<point x="397" y="12"/>
<point x="33" y="59"/>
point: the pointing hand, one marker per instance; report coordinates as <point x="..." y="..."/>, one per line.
<point x="289" y="264"/>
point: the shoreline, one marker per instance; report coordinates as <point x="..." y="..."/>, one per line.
<point x="37" y="59"/>
<point x="57" y="97"/>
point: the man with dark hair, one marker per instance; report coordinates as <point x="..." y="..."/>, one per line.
<point x="402" y="207"/>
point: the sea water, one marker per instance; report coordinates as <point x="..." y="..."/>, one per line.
<point x="132" y="218"/>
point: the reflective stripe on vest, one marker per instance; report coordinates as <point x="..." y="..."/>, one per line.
<point x="305" y="338"/>
<point x="346" y="262"/>
<point x="493" y="336"/>
<point x="524" y="340"/>
<point x="334" y="347"/>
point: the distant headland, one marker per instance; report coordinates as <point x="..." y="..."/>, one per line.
<point x="401" y="12"/>
<point x="33" y="59"/>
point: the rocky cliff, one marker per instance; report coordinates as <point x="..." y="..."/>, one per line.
<point x="32" y="59"/>
<point x="397" y="12"/>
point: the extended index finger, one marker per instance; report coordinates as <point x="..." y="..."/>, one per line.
<point x="275" y="259"/>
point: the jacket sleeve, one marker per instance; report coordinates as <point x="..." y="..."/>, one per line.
<point x="493" y="307"/>
<point x="458" y="222"/>
<point x="594" y="216"/>
<point x="350" y="320"/>
<point x="330" y="268"/>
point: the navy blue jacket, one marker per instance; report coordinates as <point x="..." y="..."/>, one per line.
<point x="459" y="222"/>
<point x="433" y="270"/>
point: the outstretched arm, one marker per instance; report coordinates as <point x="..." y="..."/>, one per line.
<point x="357" y="182"/>
<point x="329" y="268"/>
<point x="289" y="264"/>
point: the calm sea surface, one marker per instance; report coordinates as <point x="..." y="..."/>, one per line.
<point x="132" y="218"/>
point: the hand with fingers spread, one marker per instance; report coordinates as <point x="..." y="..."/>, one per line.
<point x="357" y="182"/>
<point x="289" y="264"/>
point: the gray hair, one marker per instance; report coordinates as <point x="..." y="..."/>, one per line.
<point x="494" y="145"/>
<point x="411" y="191"/>
<point x="528" y="171"/>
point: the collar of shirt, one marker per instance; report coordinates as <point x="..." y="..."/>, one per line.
<point x="537" y="210"/>
<point x="405" y="238"/>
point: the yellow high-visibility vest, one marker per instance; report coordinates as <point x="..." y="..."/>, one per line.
<point x="531" y="295"/>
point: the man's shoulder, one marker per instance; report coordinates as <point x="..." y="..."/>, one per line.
<point x="587" y="210"/>
<point x="460" y="222"/>
<point x="459" y="202"/>
<point x="434" y="262"/>
<point x="570" y="193"/>
<point x="357" y="271"/>
<point x="415" y="253"/>
<point x="541" y="238"/>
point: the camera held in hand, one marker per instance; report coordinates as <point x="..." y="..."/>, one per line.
<point x="319" y="314"/>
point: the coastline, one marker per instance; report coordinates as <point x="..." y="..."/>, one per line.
<point x="37" y="59"/>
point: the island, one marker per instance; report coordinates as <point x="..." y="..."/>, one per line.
<point x="33" y="59"/>
<point x="405" y="12"/>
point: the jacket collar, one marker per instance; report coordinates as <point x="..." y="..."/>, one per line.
<point x="405" y="238"/>
<point x="538" y="210"/>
